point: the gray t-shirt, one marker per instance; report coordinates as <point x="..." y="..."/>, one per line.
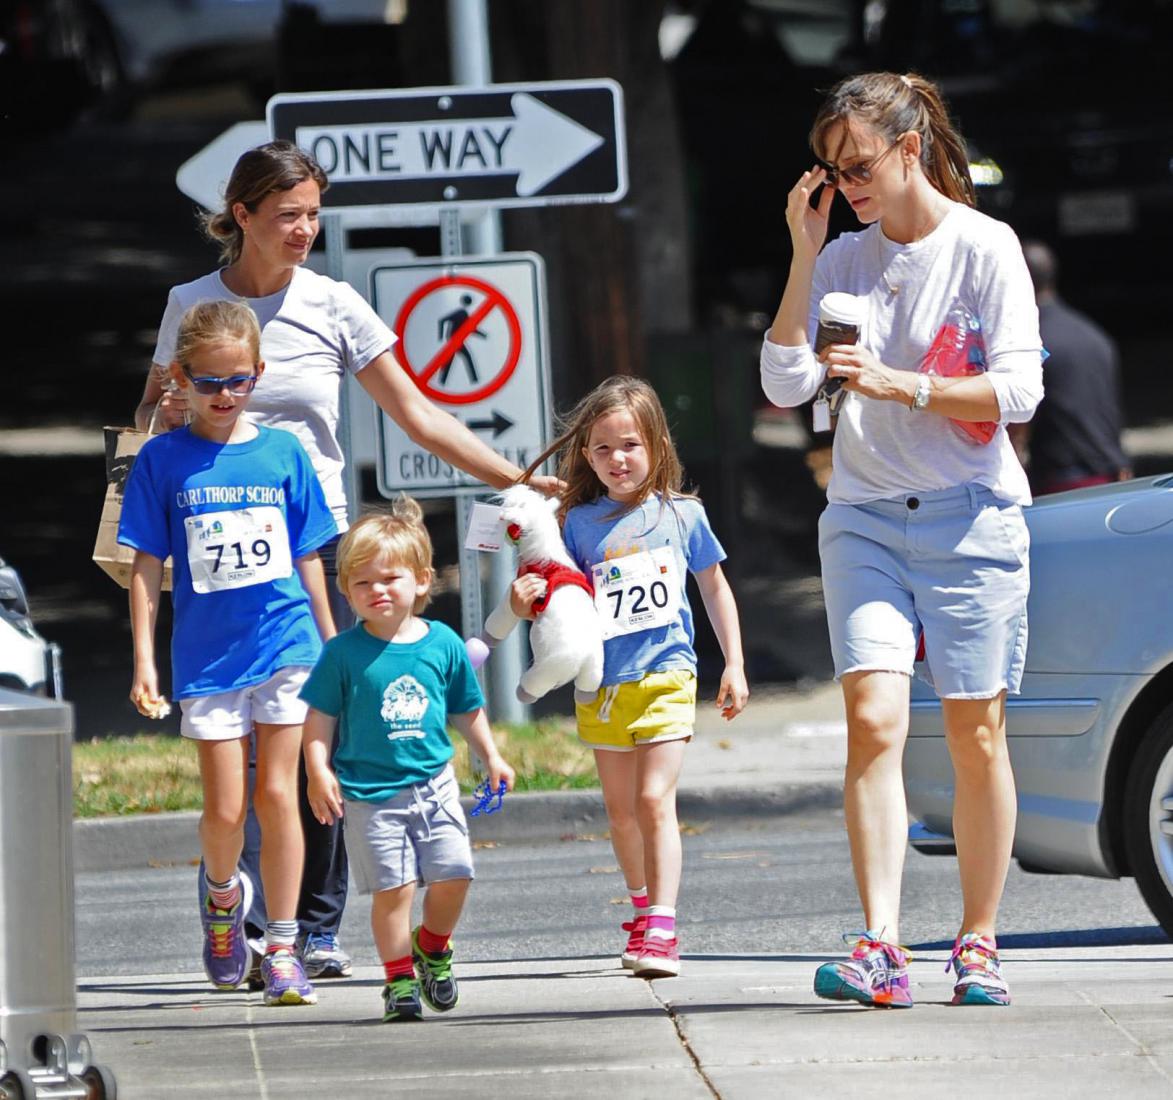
<point x="311" y="331"/>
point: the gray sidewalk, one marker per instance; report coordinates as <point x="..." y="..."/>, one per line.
<point x="1084" y="1023"/>
<point x="784" y="753"/>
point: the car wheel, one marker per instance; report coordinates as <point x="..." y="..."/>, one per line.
<point x="1148" y="818"/>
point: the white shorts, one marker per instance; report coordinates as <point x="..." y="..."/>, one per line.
<point x="230" y="714"/>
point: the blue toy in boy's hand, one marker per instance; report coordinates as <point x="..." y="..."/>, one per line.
<point x="488" y="800"/>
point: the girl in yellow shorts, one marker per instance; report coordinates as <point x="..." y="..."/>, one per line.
<point x="636" y="534"/>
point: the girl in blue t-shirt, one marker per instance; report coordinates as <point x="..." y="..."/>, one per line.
<point x="636" y="534"/>
<point x="239" y="510"/>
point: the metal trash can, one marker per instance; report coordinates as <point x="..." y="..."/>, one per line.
<point x="40" y="1053"/>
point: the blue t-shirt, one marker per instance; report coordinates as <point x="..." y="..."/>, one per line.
<point x="392" y="701"/>
<point x="237" y="515"/>
<point x="593" y="534"/>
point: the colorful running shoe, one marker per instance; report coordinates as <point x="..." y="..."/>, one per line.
<point x="323" y="957"/>
<point x="401" y="1001"/>
<point x="635" y="940"/>
<point x="979" y="975"/>
<point x="658" y="958"/>
<point x="285" y="980"/>
<point x="226" y="953"/>
<point x="434" y="970"/>
<point x="876" y="974"/>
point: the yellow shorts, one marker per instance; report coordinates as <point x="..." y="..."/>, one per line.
<point x="660" y="707"/>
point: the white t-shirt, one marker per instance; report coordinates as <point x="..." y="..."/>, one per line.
<point x="311" y="331"/>
<point x="883" y="449"/>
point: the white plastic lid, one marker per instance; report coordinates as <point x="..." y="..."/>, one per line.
<point x="846" y="309"/>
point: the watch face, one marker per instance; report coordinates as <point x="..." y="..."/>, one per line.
<point x="924" y="389"/>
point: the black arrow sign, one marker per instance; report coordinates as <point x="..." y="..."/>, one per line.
<point x="499" y="423"/>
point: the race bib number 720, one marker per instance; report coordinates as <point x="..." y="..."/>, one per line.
<point x="237" y="549"/>
<point x="637" y="592"/>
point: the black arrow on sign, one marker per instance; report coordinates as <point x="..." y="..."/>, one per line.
<point x="499" y="423"/>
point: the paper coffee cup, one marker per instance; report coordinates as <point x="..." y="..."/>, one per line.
<point x="840" y="319"/>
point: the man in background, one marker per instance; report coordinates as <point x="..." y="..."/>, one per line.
<point x="1074" y="438"/>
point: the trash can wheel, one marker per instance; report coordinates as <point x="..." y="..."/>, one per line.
<point x="99" y="1083"/>
<point x="17" y="1085"/>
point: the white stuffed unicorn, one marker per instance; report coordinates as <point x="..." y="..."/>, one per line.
<point x="567" y="636"/>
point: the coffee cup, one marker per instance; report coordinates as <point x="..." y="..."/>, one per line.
<point x="840" y="319"/>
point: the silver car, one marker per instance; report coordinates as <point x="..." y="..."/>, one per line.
<point x="1091" y="735"/>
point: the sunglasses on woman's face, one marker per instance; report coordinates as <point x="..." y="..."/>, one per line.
<point x="237" y="384"/>
<point x="857" y="174"/>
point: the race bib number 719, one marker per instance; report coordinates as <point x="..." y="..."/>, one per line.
<point x="237" y="549"/>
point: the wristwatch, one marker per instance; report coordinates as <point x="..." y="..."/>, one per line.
<point x="924" y="390"/>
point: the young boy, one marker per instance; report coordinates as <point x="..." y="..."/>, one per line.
<point x="394" y="681"/>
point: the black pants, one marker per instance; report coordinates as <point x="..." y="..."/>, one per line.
<point x="324" y="877"/>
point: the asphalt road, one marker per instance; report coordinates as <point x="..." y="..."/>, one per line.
<point x="758" y="887"/>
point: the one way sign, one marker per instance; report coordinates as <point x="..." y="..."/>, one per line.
<point x="501" y="145"/>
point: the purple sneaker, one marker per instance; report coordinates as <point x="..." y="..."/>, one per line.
<point x="285" y="980"/>
<point x="979" y="975"/>
<point x="876" y="974"/>
<point x="226" y="953"/>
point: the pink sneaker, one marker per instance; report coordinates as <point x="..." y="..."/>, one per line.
<point x="635" y="940"/>
<point x="658" y="958"/>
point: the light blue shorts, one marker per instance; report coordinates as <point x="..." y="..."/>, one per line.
<point x="420" y="835"/>
<point x="952" y="565"/>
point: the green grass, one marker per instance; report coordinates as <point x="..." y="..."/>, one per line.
<point x="154" y="773"/>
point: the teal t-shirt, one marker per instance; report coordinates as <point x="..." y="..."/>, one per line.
<point x="392" y="702"/>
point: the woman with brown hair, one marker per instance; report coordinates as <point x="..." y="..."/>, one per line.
<point x="923" y="541"/>
<point x="313" y="331"/>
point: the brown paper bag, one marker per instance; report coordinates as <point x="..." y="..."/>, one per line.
<point x="122" y="444"/>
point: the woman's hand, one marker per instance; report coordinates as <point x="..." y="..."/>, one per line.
<point x="548" y="485"/>
<point x="808" y="224"/>
<point x="523" y="592"/>
<point x="864" y="374"/>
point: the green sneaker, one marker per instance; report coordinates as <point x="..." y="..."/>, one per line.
<point x="401" y="1001"/>
<point x="437" y="983"/>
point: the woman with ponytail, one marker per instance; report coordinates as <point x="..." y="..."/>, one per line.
<point x="314" y="330"/>
<point x="923" y="542"/>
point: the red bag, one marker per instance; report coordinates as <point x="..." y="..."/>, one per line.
<point x="959" y="350"/>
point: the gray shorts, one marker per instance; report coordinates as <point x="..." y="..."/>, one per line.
<point x="949" y="566"/>
<point x="420" y="835"/>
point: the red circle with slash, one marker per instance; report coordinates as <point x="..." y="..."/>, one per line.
<point x="422" y="376"/>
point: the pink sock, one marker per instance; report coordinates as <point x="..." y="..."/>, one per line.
<point x="224" y="895"/>
<point x="639" y="898"/>
<point x="661" y="922"/>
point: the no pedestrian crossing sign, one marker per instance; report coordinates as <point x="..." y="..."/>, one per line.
<point x="471" y="334"/>
<point x="499" y="145"/>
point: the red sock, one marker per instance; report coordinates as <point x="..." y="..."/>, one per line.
<point x="431" y="943"/>
<point x="399" y="968"/>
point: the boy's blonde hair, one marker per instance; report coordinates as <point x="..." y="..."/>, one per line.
<point x="209" y="324"/>
<point x="620" y="393"/>
<point x="398" y="534"/>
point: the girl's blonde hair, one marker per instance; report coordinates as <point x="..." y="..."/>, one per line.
<point x="894" y="105"/>
<point x="208" y="324"/>
<point x="621" y="393"/>
<point x="398" y="534"/>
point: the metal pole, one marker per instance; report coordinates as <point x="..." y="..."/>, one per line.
<point x="335" y="231"/>
<point x="468" y="38"/>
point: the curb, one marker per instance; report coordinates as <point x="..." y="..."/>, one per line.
<point x="153" y="840"/>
